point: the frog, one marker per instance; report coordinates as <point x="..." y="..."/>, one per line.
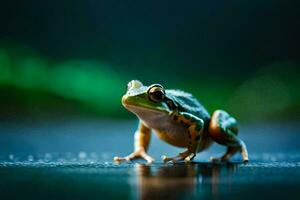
<point x="178" y="119"/>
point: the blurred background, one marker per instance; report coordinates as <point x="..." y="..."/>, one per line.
<point x="64" y="66"/>
<point x="61" y="58"/>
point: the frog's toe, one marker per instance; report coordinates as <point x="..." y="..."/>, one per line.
<point x="135" y="155"/>
<point x="184" y="156"/>
<point x="174" y="159"/>
<point x="126" y="158"/>
<point x="120" y="159"/>
<point x="117" y="159"/>
<point x="169" y="159"/>
<point x="145" y="156"/>
<point x="166" y="159"/>
<point x="214" y="159"/>
<point x="149" y="159"/>
<point x="188" y="159"/>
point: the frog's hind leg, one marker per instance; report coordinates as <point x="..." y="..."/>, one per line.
<point x="224" y="129"/>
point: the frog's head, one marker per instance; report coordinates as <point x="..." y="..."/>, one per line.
<point x="142" y="100"/>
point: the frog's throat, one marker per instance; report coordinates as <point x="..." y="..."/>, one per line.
<point x="150" y="117"/>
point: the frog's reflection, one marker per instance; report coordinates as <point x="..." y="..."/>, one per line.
<point x="181" y="180"/>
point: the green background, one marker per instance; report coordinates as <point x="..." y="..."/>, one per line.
<point x="75" y="58"/>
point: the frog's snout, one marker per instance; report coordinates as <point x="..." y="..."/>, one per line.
<point x="125" y="100"/>
<point x="128" y="100"/>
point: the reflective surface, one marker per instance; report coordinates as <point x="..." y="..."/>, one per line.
<point x="73" y="160"/>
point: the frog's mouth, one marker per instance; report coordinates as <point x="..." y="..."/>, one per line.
<point x="143" y="108"/>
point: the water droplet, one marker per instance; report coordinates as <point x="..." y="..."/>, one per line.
<point x="11" y="156"/>
<point x="30" y="158"/>
<point x="82" y="155"/>
<point x="48" y="156"/>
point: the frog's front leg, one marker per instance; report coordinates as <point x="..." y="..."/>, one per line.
<point x="195" y="128"/>
<point x="141" y="143"/>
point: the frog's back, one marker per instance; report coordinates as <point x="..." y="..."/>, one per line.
<point x="188" y="103"/>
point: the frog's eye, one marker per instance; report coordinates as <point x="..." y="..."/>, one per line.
<point x="156" y="93"/>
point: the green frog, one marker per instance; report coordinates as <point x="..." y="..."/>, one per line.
<point x="180" y="120"/>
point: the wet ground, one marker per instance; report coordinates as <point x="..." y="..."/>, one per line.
<point x="72" y="159"/>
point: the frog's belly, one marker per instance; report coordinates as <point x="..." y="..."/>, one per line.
<point x="165" y="128"/>
<point x="176" y="136"/>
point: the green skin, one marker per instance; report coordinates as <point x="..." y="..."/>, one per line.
<point x="180" y="120"/>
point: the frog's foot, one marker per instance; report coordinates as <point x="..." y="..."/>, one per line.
<point x="135" y="155"/>
<point x="218" y="159"/>
<point x="187" y="156"/>
<point x="229" y="153"/>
